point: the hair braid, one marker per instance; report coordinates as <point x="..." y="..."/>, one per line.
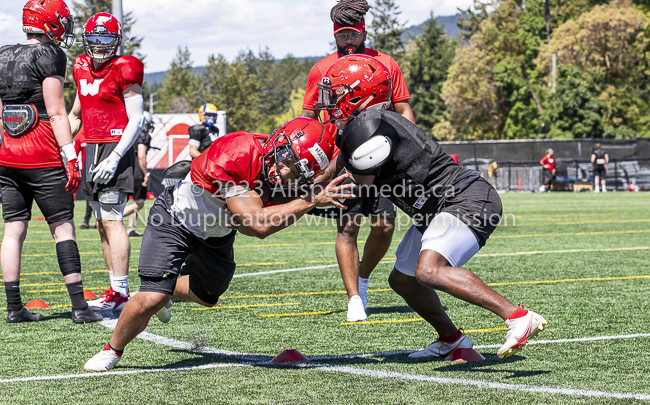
<point x="349" y="12"/>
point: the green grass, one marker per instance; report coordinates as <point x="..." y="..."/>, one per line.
<point x="584" y="280"/>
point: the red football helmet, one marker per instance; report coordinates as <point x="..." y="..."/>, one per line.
<point x="102" y="37"/>
<point x="352" y="84"/>
<point x="49" y="17"/>
<point x="303" y="140"/>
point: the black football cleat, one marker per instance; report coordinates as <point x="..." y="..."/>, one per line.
<point x="23" y="315"/>
<point x="85" y="316"/>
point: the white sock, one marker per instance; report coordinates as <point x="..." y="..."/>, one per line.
<point x="121" y="285"/>
<point x="597" y="189"/>
<point x="363" y="290"/>
<point x="110" y="276"/>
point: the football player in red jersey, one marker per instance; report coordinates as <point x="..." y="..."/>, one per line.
<point x="109" y="103"/>
<point x="190" y="226"/>
<point x="350" y="36"/>
<point x="36" y="131"/>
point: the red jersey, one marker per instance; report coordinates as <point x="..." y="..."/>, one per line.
<point x="548" y="162"/>
<point x="100" y="93"/>
<point x="233" y="159"/>
<point x="400" y="92"/>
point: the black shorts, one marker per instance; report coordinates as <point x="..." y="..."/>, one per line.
<point x="379" y="206"/>
<point x="600" y="172"/>
<point x="123" y="179"/>
<point x="139" y="191"/>
<point x="46" y="186"/>
<point x="478" y="206"/>
<point x="169" y="250"/>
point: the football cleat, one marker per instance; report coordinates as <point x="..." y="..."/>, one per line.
<point x="23" y="315"/>
<point x="440" y="349"/>
<point x="165" y="313"/>
<point x="111" y="300"/>
<point x="356" y="312"/>
<point x="519" y="331"/>
<point x="102" y="361"/>
<point x="85" y="316"/>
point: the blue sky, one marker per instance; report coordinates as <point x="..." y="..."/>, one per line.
<point x="299" y="27"/>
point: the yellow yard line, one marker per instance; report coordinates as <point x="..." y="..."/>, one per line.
<point x="532" y="235"/>
<point x="246" y="306"/>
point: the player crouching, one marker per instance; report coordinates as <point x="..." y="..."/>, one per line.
<point x="190" y="229"/>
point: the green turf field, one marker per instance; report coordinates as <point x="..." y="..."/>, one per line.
<point x="580" y="260"/>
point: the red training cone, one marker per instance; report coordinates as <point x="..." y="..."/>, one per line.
<point x="289" y="356"/>
<point x="89" y="295"/>
<point x="36" y="304"/>
<point x="464" y="355"/>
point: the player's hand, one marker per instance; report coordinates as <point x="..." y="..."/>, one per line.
<point x="105" y="170"/>
<point x="330" y="194"/>
<point x="74" y="176"/>
<point x="145" y="183"/>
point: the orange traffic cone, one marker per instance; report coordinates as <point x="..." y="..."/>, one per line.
<point x="89" y="295"/>
<point x="464" y="355"/>
<point x="289" y="356"/>
<point x="36" y="304"/>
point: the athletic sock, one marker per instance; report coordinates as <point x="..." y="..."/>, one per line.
<point x="363" y="290"/>
<point x="121" y="285"/>
<point x="110" y="276"/>
<point x="76" y="292"/>
<point x="109" y="347"/>
<point x="12" y="289"/>
<point x="451" y="338"/>
<point x="519" y="312"/>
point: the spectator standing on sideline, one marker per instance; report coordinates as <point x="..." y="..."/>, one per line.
<point x="599" y="161"/>
<point x="549" y="174"/>
<point x="140" y="174"/>
<point x="350" y="37"/>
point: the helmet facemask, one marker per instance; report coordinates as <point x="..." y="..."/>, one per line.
<point x="101" y="47"/>
<point x="283" y="152"/>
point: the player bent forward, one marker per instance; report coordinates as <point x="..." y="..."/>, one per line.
<point x="455" y="209"/>
<point x="187" y="233"/>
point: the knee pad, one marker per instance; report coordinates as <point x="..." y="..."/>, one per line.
<point x="67" y="253"/>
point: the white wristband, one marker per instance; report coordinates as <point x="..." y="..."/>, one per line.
<point x="69" y="151"/>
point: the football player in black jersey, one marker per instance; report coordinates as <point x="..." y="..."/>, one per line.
<point x="36" y="134"/>
<point x="202" y="135"/>
<point x="454" y="209"/>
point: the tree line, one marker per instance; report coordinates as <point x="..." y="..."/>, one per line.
<point x="496" y="81"/>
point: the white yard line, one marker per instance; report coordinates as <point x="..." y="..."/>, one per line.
<point x="259" y="360"/>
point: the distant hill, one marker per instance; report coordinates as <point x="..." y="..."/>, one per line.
<point x="449" y="23"/>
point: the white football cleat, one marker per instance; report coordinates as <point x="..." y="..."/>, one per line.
<point x="356" y="312"/>
<point x="165" y="313"/>
<point x="440" y="349"/>
<point x="519" y="331"/>
<point x="102" y="361"/>
<point x="111" y="300"/>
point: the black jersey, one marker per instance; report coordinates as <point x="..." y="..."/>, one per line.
<point x="144" y="138"/>
<point x="203" y="134"/>
<point x="23" y="69"/>
<point x="417" y="175"/>
<point x="600" y="158"/>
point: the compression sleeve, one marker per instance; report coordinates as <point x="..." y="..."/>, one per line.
<point x="134" y="110"/>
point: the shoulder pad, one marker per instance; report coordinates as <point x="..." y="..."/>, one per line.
<point x="371" y="154"/>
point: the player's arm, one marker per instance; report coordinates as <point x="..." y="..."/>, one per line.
<point x="75" y="116"/>
<point x="311" y="93"/>
<point x="1" y="123"/>
<point x="403" y="108"/>
<point x="194" y="151"/>
<point x="335" y="167"/>
<point x="55" y="107"/>
<point x="253" y="219"/>
<point x="194" y="142"/>
<point x="593" y="158"/>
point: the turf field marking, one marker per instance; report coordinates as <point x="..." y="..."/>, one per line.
<point x="532" y="235"/>
<point x="483" y="384"/>
<point x="539" y="252"/>
<point x="303" y="313"/>
<point x="609" y="221"/>
<point x="246" y="306"/>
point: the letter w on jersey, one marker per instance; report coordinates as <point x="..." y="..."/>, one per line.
<point x="89" y="89"/>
